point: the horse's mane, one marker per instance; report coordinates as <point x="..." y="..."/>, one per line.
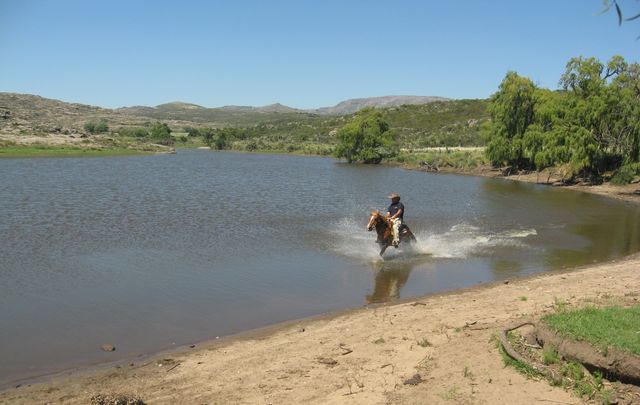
<point x="382" y="218"/>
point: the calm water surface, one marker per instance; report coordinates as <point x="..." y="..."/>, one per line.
<point x="151" y="252"/>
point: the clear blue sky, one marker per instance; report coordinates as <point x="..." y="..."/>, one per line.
<point x="301" y="53"/>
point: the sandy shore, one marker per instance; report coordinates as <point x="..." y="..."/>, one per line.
<point x="363" y="356"/>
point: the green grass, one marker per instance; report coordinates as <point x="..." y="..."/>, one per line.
<point x="15" y="151"/>
<point x="550" y="356"/>
<point x="581" y="384"/>
<point x="613" y="326"/>
<point x="572" y="374"/>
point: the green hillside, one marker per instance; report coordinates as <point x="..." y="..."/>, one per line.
<point x="448" y="123"/>
<point x="223" y="116"/>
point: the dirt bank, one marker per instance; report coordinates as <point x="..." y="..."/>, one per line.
<point x="372" y="355"/>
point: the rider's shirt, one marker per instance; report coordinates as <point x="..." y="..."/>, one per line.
<point x="393" y="208"/>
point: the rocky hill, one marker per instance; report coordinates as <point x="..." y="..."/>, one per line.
<point x="356" y="104"/>
<point x="218" y="116"/>
<point x="29" y="113"/>
<point x="26" y="112"/>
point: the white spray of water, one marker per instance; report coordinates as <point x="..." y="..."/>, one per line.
<point x="462" y="240"/>
<point x="350" y="238"/>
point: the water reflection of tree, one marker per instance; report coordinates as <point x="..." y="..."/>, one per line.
<point x="390" y="278"/>
<point x="606" y="228"/>
<point x="616" y="234"/>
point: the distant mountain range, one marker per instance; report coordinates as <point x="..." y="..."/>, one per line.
<point x="342" y="108"/>
<point x="28" y="113"/>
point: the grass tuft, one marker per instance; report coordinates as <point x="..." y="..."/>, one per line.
<point x="424" y="343"/>
<point x="521" y="367"/>
<point x="550" y="356"/>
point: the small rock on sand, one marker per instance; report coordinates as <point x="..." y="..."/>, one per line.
<point x="415" y="380"/>
<point x="328" y="361"/>
<point x="108" y="347"/>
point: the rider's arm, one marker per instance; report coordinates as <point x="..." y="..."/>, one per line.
<point x="398" y="213"/>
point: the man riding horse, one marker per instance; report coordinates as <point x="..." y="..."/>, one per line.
<point x="390" y="228"/>
<point x="395" y="213"/>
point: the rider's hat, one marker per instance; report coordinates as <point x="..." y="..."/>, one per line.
<point x="394" y="195"/>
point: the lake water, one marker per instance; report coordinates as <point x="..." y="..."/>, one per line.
<point x="151" y="252"/>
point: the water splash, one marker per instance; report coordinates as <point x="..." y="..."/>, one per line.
<point x="349" y="238"/>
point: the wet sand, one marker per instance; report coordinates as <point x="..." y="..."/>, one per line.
<point x="371" y="355"/>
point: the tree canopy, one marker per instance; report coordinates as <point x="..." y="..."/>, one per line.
<point x="365" y="139"/>
<point x="592" y="124"/>
<point x="161" y="133"/>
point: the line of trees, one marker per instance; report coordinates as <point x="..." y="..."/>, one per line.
<point x="217" y="138"/>
<point x="590" y="126"/>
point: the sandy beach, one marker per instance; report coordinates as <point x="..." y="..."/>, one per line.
<point x="434" y="349"/>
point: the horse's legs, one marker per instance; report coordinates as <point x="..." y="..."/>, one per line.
<point x="383" y="247"/>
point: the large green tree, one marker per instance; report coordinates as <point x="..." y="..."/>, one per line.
<point x="366" y="138"/>
<point x="603" y="110"/>
<point x="512" y="111"/>
<point x="592" y="125"/>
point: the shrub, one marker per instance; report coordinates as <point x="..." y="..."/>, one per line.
<point x="133" y="132"/>
<point x="96" y="127"/>
<point x="161" y="133"/>
<point x="626" y="174"/>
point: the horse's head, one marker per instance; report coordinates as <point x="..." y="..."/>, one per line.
<point x="373" y="219"/>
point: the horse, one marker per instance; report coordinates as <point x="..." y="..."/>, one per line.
<point x="383" y="226"/>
